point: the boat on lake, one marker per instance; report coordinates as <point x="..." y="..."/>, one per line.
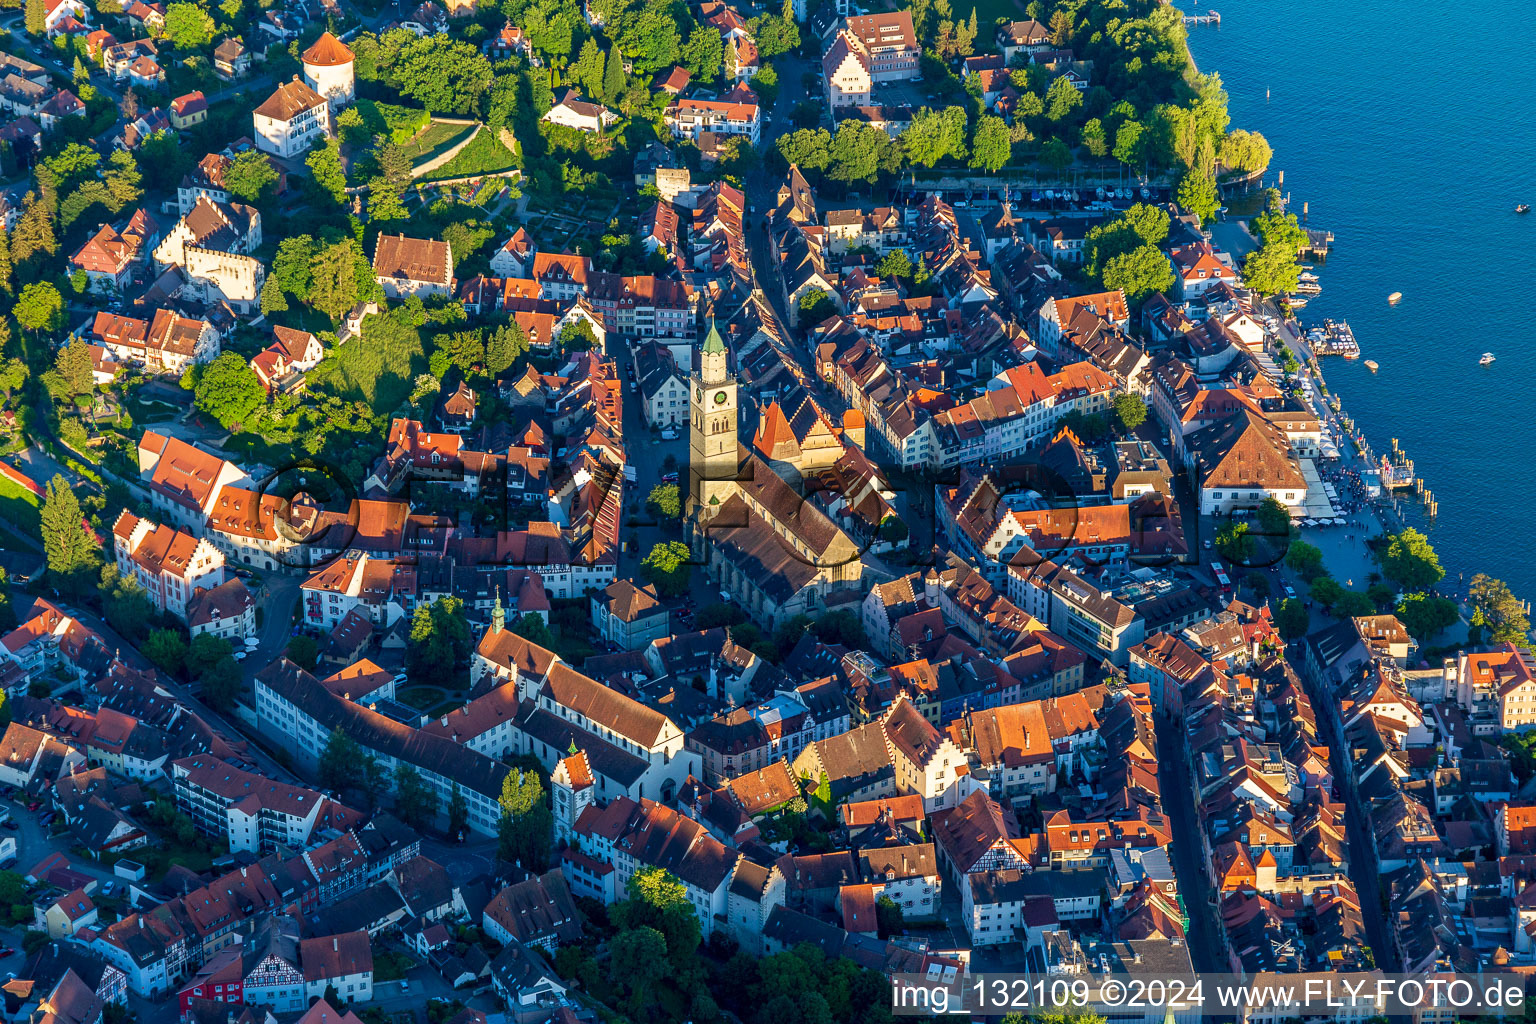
<point x="1394" y="298"/>
<point x="1487" y="358"/>
<point x="1523" y="208"/>
<point x="1372" y="365"/>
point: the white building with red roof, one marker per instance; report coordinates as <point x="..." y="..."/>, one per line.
<point x="169" y="564"/>
<point x="61" y="16"/>
<point x="328" y="70"/>
<point x="291" y="353"/>
<point x="735" y="113"/>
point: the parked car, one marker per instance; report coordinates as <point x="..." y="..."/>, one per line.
<point x="1289" y="591"/>
<point x="10" y="825"/>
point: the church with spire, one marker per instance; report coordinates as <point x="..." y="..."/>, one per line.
<point x="776" y="554"/>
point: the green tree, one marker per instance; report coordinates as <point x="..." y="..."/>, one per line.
<point x="33" y="234"/>
<point x="188" y="26"/>
<point x="68" y="544"/>
<point x="290" y="265"/>
<point x="889" y="919"/>
<point x="443" y="74"/>
<point x="40" y="307"/>
<point x="124" y="602"/>
<point x="439" y="644"/>
<point x="1197" y="193"/>
<point x="774" y="34"/>
<point x="1274" y="519"/>
<point x="333" y="279"/>
<point x="1410" y="562"/>
<point x="504" y="346"/>
<point x="1141" y="272"/>
<point x="668" y="565"/>
<point x="1305" y="560"/>
<point x="1502" y="612"/>
<point x="6" y="269"/>
<point x="325" y="170"/>
<point x="341" y="763"/>
<point x="934" y="135"/>
<point x="74" y="369"/>
<point x="1425" y="617"/>
<point x="855" y="153"/>
<point x="1325" y="590"/>
<point x="1282" y="230"/>
<point x="1062" y="100"/>
<point x="221" y="684"/>
<point x="637" y="961"/>
<point x="664" y="501"/>
<point x="525" y="831"/>
<point x="992" y="146"/>
<point x="1235" y="543"/>
<point x="251" y="176"/>
<point x="895" y="263"/>
<point x="458" y="813"/>
<point x="1271" y="269"/>
<point x="35" y="17"/>
<point x="657" y="899"/>
<point x="122" y="179"/>
<point x="167" y="649"/>
<point x="810" y="149"/>
<point x="1094" y="139"/>
<point x="13" y="377"/>
<point x="413" y="800"/>
<point x="587" y="73"/>
<point x="1352" y="603"/>
<point x="272" y="299"/>
<point x="1056" y="155"/>
<point x="304" y="652"/>
<point x="229" y="391"/>
<point x="1130" y="411"/>
<point x="1291" y="619"/>
<point x="703" y="54"/>
<point x="1128" y="144"/>
<point x="815" y="306"/>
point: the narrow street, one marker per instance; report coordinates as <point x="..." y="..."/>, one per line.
<point x="1361" y="839"/>
<point x="1207" y="948"/>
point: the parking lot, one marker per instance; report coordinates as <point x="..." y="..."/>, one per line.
<point x="901" y="94"/>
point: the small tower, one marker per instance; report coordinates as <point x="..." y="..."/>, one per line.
<point x="571" y="791"/>
<point x="328" y="69"/>
<point x="713" y="455"/>
<point x="498" y="614"/>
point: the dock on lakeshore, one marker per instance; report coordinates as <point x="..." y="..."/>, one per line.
<point x="1208" y="18"/>
<point x="1318" y="242"/>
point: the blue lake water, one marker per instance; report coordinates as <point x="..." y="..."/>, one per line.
<point x="1413" y="147"/>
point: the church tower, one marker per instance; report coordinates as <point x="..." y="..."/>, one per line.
<point x="713" y="463"/>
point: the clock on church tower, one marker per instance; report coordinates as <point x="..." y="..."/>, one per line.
<point x="713" y="462"/>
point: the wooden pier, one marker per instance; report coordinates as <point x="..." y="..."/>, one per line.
<point x="1208" y="18"/>
<point x="1318" y="242"/>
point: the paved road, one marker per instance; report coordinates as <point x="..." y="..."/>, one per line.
<point x="278" y="594"/>
<point x="1357" y="824"/>
<point x="1206" y="945"/>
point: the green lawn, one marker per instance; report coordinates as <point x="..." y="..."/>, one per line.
<point x="485" y="155"/>
<point x="438" y="138"/>
<point x="379" y="366"/>
<point x="987" y="13"/>
<point x="20" y="507"/>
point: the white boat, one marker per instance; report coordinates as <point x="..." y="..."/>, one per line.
<point x="1487" y="358"/>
